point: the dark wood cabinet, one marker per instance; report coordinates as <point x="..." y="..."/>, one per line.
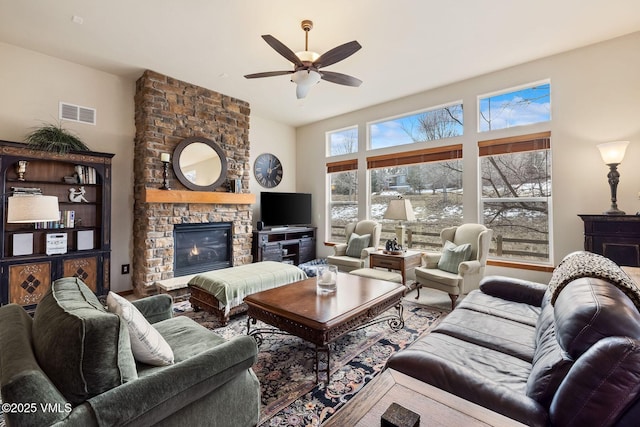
<point x="295" y="245"/>
<point x="616" y="237"/>
<point x="26" y="275"/>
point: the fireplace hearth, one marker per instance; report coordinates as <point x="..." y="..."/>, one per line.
<point x="201" y="247"/>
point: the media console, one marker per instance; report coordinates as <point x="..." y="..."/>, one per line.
<point x="293" y="245"/>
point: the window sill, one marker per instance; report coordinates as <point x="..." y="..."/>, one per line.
<point x="521" y="265"/>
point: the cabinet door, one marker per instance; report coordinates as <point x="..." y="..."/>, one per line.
<point x="29" y="282"/>
<point x="86" y="269"/>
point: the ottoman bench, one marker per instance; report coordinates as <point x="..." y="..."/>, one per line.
<point x="221" y="292"/>
<point x="374" y="273"/>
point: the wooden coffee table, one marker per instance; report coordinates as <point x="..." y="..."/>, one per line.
<point x="320" y="319"/>
<point x="436" y="407"/>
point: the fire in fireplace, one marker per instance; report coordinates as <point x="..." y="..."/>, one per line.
<point x="201" y="247"/>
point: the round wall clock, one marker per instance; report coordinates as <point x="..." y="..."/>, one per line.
<point x="268" y="170"/>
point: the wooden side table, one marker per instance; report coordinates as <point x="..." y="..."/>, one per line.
<point x="403" y="263"/>
<point x="436" y="407"/>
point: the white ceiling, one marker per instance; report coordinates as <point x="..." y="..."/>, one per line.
<point x="408" y="45"/>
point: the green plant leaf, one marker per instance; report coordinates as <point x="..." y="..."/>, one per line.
<point x="54" y="138"/>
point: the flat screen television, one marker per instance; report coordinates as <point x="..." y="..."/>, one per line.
<point x="285" y="209"/>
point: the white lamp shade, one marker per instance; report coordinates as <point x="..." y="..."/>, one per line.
<point x="400" y="209"/>
<point x="304" y="79"/>
<point x="32" y="208"/>
<point x="613" y="152"/>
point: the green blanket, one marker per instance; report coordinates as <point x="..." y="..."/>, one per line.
<point x="231" y="285"/>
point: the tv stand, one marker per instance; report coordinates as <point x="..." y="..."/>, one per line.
<point x="293" y="245"/>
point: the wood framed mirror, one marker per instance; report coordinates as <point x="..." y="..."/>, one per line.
<point x="199" y="164"/>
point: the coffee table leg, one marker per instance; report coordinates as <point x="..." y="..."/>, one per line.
<point x="397" y="324"/>
<point x="326" y="350"/>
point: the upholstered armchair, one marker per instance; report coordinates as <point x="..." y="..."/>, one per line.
<point x="461" y="264"/>
<point x="355" y="253"/>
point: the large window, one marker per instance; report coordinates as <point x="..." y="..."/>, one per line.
<point x="343" y="200"/>
<point x="430" y="125"/>
<point x="431" y="179"/>
<point x="343" y="141"/>
<point x="528" y="105"/>
<point x="516" y="196"/>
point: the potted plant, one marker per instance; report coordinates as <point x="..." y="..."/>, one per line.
<point x="53" y="137"/>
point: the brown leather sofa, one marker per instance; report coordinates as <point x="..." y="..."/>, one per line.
<point x="506" y="347"/>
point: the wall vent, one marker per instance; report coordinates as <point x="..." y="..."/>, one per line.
<point x="76" y="113"/>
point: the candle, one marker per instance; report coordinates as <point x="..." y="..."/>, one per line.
<point x="165" y="158"/>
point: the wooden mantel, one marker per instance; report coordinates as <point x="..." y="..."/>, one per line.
<point x="154" y="195"/>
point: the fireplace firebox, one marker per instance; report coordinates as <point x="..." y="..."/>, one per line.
<point x="201" y="247"/>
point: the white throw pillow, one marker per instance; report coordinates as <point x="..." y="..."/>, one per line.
<point x="147" y="345"/>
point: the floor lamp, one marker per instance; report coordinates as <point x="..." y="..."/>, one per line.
<point x="401" y="210"/>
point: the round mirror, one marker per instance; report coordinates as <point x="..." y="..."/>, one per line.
<point x="199" y="164"/>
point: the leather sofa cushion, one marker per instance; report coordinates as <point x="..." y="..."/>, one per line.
<point x="503" y="335"/>
<point x="600" y="386"/>
<point x="550" y="364"/>
<point x="486" y="377"/>
<point x="589" y="309"/>
<point x="83" y="349"/>
<point x="518" y="312"/>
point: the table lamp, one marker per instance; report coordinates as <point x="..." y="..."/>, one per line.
<point x="26" y="208"/>
<point x="612" y="154"/>
<point x="401" y="210"/>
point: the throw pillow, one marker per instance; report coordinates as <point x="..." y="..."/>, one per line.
<point x="84" y="350"/>
<point x="147" y="344"/>
<point x="453" y="255"/>
<point x="357" y="244"/>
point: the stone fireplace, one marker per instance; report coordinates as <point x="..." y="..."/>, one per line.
<point x="166" y="112"/>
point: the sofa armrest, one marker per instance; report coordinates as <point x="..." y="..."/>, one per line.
<point x="512" y="289"/>
<point x="156" y="307"/>
<point x="430" y="259"/>
<point x="340" y="249"/>
<point x="367" y="251"/>
<point x="469" y="267"/>
<point x="153" y="397"/>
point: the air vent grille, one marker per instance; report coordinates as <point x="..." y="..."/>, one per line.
<point x="77" y="113"/>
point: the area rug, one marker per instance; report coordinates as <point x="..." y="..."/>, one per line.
<point x="286" y="370"/>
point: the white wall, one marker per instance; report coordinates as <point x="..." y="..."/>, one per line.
<point x="595" y="94"/>
<point x="267" y="136"/>
<point x="32" y="85"/>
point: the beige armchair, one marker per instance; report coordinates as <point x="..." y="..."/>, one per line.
<point x="461" y="264"/>
<point x="355" y="253"/>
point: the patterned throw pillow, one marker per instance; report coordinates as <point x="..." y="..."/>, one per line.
<point x="453" y="255"/>
<point x="147" y="345"/>
<point x="357" y="244"/>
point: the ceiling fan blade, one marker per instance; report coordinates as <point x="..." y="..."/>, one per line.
<point x="279" y="47"/>
<point x="267" y="74"/>
<point x="339" y="78"/>
<point x="337" y="54"/>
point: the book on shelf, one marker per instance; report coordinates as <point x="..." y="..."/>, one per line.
<point x="86" y="174"/>
<point x="67" y="220"/>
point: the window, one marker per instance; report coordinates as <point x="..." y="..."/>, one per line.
<point x="516" y="196"/>
<point x="343" y="141"/>
<point x="431" y="125"/>
<point x="524" y="106"/>
<point x="343" y="200"/>
<point x="431" y="179"/>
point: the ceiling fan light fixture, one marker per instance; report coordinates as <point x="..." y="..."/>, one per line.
<point x="304" y="80"/>
<point x="307" y="56"/>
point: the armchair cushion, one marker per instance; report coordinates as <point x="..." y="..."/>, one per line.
<point x="453" y="255"/>
<point x="357" y="244"/>
<point x="83" y="349"/>
<point x="147" y="345"/>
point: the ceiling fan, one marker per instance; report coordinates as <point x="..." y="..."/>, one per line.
<point x="307" y="64"/>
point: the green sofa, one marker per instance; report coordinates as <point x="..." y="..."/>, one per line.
<point x="72" y="365"/>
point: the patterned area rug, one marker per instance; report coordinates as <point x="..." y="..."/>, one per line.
<point x="286" y="370"/>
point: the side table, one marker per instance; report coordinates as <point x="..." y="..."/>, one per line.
<point x="403" y="263"/>
<point x="436" y="407"/>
